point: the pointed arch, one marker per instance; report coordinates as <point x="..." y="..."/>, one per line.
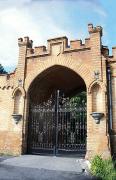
<point x="19" y="89"/>
<point x="75" y="65"/>
<point x="101" y="84"/>
<point x="54" y="70"/>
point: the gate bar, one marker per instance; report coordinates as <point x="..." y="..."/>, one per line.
<point x="56" y="120"/>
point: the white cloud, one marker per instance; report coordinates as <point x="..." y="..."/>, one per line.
<point x="15" y="23"/>
<point x="34" y="18"/>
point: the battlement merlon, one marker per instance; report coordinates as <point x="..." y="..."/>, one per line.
<point x="55" y="41"/>
<point x="96" y="29"/>
<point x="77" y="44"/>
<point x="25" y="42"/>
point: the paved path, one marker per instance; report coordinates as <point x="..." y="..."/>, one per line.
<point x="31" y="167"/>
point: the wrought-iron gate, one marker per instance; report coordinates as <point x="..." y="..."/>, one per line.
<point x="57" y="126"/>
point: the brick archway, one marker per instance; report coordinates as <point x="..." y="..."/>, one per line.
<point x="41" y="88"/>
<point x="71" y="63"/>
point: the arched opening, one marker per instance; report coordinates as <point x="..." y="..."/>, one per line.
<point x="57" y="112"/>
<point x="18" y="102"/>
<point x="97" y="98"/>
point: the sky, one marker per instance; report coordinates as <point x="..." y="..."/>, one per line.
<point x="45" y="19"/>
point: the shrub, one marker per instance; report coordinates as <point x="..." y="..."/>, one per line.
<point x="103" y="169"/>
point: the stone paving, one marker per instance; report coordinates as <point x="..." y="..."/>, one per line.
<point x="32" y="167"/>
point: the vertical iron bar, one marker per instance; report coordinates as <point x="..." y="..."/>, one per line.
<point x="64" y="138"/>
<point x="53" y="116"/>
<point x="80" y="127"/>
<point x="66" y="127"/>
<point x="62" y="115"/>
<point x="56" y="119"/>
<point x="45" y="130"/>
<point x="83" y="124"/>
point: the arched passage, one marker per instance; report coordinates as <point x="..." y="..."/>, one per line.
<point x="57" y="112"/>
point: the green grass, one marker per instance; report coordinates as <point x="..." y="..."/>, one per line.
<point x="103" y="169"/>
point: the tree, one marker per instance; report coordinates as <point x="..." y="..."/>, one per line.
<point x="2" y="70"/>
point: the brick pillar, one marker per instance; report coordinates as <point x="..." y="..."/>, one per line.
<point x="97" y="134"/>
<point x="95" y="43"/>
<point x="23" y="45"/>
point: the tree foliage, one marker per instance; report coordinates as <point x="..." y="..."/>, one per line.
<point x="2" y="70"/>
<point x="79" y="98"/>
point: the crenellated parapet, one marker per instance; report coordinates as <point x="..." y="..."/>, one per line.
<point x="6" y="81"/>
<point x="58" y="46"/>
<point x="77" y="44"/>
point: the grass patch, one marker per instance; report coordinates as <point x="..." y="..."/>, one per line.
<point x="103" y="169"/>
